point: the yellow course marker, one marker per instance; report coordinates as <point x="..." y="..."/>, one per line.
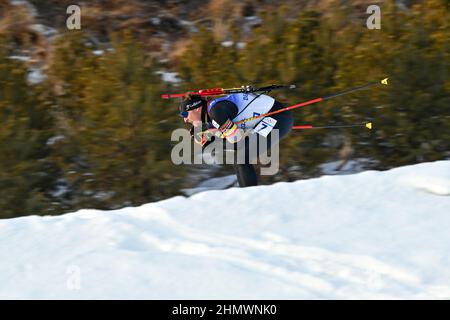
<point x="369" y="125"/>
<point x="385" y="81"/>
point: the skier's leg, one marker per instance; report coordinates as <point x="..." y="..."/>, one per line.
<point x="246" y="175"/>
<point x="284" y="125"/>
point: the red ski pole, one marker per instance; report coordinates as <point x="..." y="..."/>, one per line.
<point x="384" y="81"/>
<point x="368" y="125"/>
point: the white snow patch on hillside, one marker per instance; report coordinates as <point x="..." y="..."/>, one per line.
<point x="217" y="183"/>
<point x="170" y="77"/>
<point x="369" y="235"/>
<point x="36" y="76"/>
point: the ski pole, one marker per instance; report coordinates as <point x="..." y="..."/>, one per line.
<point x="384" y="82"/>
<point x="368" y="125"/>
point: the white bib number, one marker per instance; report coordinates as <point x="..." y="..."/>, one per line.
<point x="265" y="126"/>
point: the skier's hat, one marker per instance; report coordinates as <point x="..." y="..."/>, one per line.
<point x="192" y="102"/>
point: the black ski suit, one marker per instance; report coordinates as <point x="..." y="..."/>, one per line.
<point x="224" y="111"/>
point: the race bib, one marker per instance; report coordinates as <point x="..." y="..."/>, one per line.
<point x="265" y="126"/>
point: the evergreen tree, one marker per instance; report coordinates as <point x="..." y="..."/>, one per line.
<point x="122" y="131"/>
<point x="27" y="177"/>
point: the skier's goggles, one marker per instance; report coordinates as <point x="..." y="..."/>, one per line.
<point x="184" y="114"/>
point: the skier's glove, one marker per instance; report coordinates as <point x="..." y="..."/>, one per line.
<point x="230" y="131"/>
<point x="203" y="137"/>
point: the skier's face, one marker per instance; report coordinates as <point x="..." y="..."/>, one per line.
<point x="194" y="117"/>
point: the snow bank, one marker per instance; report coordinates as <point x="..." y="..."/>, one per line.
<point x="367" y="235"/>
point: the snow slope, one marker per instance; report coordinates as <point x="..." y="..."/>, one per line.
<point x="367" y="235"/>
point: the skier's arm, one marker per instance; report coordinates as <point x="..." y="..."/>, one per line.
<point x="221" y="114"/>
<point x="204" y="137"/>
